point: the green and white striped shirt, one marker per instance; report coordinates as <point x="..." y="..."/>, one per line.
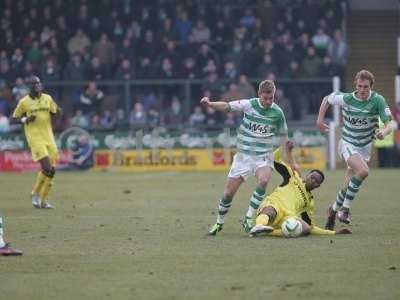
<point x="259" y="125"/>
<point x="360" y="118"/>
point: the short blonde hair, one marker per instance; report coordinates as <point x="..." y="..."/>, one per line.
<point x="365" y="75"/>
<point x="266" y="86"/>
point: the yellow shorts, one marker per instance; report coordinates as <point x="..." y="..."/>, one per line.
<point x="281" y="213"/>
<point x="42" y="150"/>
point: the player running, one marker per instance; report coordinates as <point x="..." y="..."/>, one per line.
<point x="262" y="120"/>
<point x="34" y="111"/>
<point x="5" y="249"/>
<point x="292" y="199"/>
<point x="361" y="111"/>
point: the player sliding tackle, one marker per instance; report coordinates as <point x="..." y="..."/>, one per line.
<point x="262" y="120"/>
<point x="292" y="199"/>
<point x="34" y="112"/>
<point x="361" y="110"/>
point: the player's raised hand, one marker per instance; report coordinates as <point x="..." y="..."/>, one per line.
<point x="343" y="231"/>
<point x="289" y="145"/>
<point x="322" y="126"/>
<point x="379" y="134"/>
<point x="205" y="101"/>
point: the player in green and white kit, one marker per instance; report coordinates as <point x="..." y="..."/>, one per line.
<point x="262" y="120"/>
<point x="361" y="111"/>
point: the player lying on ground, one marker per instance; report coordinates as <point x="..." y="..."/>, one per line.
<point x="34" y="111"/>
<point x="262" y="120"/>
<point x="5" y="248"/>
<point x="292" y="199"/>
<point x="361" y="110"/>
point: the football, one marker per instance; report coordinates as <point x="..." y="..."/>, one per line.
<point x="291" y="228"/>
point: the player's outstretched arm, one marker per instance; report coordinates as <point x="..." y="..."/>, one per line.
<point x="217" y="105"/>
<point x="322" y="126"/>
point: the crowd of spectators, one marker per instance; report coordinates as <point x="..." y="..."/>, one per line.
<point x="222" y="42"/>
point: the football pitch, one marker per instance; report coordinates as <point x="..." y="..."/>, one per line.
<point x="142" y="236"/>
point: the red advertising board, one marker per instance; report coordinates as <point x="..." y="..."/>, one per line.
<point x="22" y="161"/>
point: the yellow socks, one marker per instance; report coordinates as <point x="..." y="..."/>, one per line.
<point x="262" y="219"/>
<point x="45" y="190"/>
<point x="40" y="179"/>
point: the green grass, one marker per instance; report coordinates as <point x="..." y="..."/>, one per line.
<point x="142" y="236"/>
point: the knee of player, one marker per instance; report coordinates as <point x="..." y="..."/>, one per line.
<point x="363" y="173"/>
<point x="49" y="172"/>
<point x="263" y="182"/>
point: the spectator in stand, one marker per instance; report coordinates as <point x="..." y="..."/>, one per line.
<point x="213" y="118"/>
<point x="121" y="122"/>
<point x="78" y="43"/>
<point x="235" y="54"/>
<point x="107" y="120"/>
<point x="337" y="50"/>
<point x="284" y="103"/>
<point x="311" y="64"/>
<point x="91" y="99"/>
<point x="230" y="71"/>
<point x="189" y="70"/>
<point x="146" y="69"/>
<point x="320" y="41"/>
<point x="4" y="123"/>
<point x="231" y="120"/>
<point x="104" y="49"/>
<point x="149" y="47"/>
<point x="174" y="116"/>
<point x="204" y="55"/>
<point x="127" y="51"/>
<point x="18" y="61"/>
<point x="197" y="118"/>
<point x="137" y="116"/>
<point x="327" y="68"/>
<point x="245" y="87"/>
<point x="266" y="66"/>
<point x="302" y="45"/>
<point x="125" y="71"/>
<point x="80" y="120"/>
<point x="34" y="54"/>
<point x="20" y="89"/>
<point x="95" y="122"/>
<point x="183" y="26"/>
<point x="50" y="73"/>
<point x="201" y="33"/>
<point x="167" y="69"/>
<point x="153" y="117"/>
<point x="7" y="75"/>
<point x="97" y="70"/>
<point x="76" y="69"/>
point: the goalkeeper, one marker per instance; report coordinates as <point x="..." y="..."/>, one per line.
<point x="292" y="198"/>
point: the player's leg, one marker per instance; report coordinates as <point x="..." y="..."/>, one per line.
<point x="263" y="224"/>
<point x="5" y="249"/>
<point x="332" y="209"/>
<point x="38" y="152"/>
<point x="263" y="176"/>
<point x="361" y="171"/>
<point x="225" y="202"/>
<point x="49" y="172"/>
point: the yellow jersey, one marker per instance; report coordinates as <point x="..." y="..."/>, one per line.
<point x="292" y="196"/>
<point x="40" y="131"/>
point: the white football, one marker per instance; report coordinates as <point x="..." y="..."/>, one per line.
<point x="291" y="228"/>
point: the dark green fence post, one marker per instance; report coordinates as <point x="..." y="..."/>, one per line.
<point x="128" y="98"/>
<point x="188" y="97"/>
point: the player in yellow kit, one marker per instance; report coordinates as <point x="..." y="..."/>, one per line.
<point x="292" y="198"/>
<point x="34" y="111"/>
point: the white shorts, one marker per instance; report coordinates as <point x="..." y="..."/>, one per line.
<point x="346" y="150"/>
<point x="245" y="165"/>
